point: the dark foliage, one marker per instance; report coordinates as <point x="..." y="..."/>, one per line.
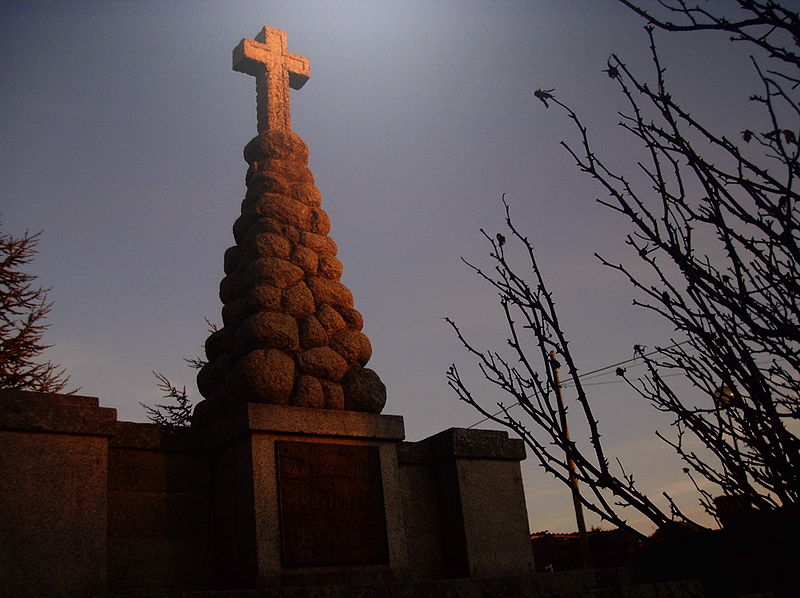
<point x="179" y="412"/>
<point x="23" y="310"/>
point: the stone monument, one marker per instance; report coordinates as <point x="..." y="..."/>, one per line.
<point x="289" y="474"/>
<point x="291" y="335"/>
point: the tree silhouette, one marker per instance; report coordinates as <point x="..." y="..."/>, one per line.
<point x="734" y="306"/>
<point x="23" y="309"/>
<point x="178" y="413"/>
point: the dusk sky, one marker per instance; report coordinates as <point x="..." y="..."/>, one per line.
<point x="122" y="126"/>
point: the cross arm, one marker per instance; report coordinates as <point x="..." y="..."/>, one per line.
<point x="252" y="57"/>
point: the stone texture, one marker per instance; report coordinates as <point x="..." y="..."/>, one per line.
<point x="272" y="271"/>
<point x="330" y="319"/>
<point x="282" y="296"/>
<point x="230" y="288"/>
<point x="269" y="244"/>
<point x="312" y="333"/>
<point x="363" y="390"/>
<point x="331" y="292"/>
<point x="263" y="376"/>
<point x="306" y="259"/>
<point x="334" y="394"/>
<point x="320" y="244"/>
<point x="353" y="345"/>
<point x="259" y="183"/>
<point x="323" y="362"/>
<point x="275" y="70"/>
<point x="330" y="267"/>
<point x="352" y="317"/>
<point x="280" y="208"/>
<point x="219" y="342"/>
<point x="232" y="257"/>
<point x="309" y="392"/>
<point x="271" y="225"/>
<point x="298" y="300"/>
<point x="267" y="330"/>
<point x="54" y="467"/>
<point x="275" y="144"/>
<point x="318" y="222"/>
<point x="264" y="298"/>
<point x="306" y="194"/>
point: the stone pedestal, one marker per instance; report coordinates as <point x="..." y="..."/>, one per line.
<point x="465" y="505"/>
<point x="54" y="470"/>
<point x="306" y="496"/>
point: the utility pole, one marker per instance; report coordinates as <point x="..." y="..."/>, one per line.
<point x="573" y="479"/>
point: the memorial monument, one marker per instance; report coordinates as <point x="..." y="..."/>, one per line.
<point x="289" y="475"/>
<point x="291" y="334"/>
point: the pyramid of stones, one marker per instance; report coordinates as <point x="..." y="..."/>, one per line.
<point x="290" y="332"/>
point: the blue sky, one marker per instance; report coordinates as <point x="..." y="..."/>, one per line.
<point x="122" y="127"/>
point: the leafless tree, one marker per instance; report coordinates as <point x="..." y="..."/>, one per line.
<point x="23" y="310"/>
<point x="734" y="306"/>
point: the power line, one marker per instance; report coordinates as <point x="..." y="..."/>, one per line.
<point x="587" y="374"/>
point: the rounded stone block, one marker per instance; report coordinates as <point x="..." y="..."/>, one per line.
<point x="259" y="298"/>
<point x="353" y="318"/>
<point x="234" y="312"/>
<point x="280" y="208"/>
<point x="259" y="183"/>
<point x="312" y="333"/>
<point x="242" y="226"/>
<point x="298" y="300"/>
<point x="211" y="376"/>
<point x="330" y="319"/>
<point x="208" y="378"/>
<point x="363" y="391"/>
<point x="309" y="392"/>
<point x="305" y="258"/>
<point x="272" y="271"/>
<point x="322" y="362"/>
<point x="330" y="267"/>
<point x="353" y="345"/>
<point x="270" y="225"/>
<point x="318" y="221"/>
<point x="264" y="298"/>
<point x="306" y="194"/>
<point x="275" y="144"/>
<point x="329" y="291"/>
<point x="230" y="288"/>
<point x="269" y="245"/>
<point x="290" y="170"/>
<point x="262" y="376"/>
<point x="320" y="244"/>
<point x="267" y="330"/>
<point x="233" y="256"/>
<point x="219" y="342"/>
<point x="333" y="393"/>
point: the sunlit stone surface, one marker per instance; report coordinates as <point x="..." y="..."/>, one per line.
<point x="290" y="334"/>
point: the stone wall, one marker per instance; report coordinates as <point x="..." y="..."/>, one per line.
<point x="90" y="504"/>
<point x="158" y="508"/>
<point x="53" y="474"/>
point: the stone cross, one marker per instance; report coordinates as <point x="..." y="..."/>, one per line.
<point x="275" y="70"/>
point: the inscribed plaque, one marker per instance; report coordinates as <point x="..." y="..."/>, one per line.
<point x="331" y="505"/>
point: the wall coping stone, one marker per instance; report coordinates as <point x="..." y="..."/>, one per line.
<point x="56" y="413"/>
<point x="463" y="443"/>
<point x="307" y="421"/>
<point x="149" y="436"/>
<point x="414" y="453"/>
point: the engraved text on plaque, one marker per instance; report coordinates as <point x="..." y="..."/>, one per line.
<point x="331" y="505"/>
